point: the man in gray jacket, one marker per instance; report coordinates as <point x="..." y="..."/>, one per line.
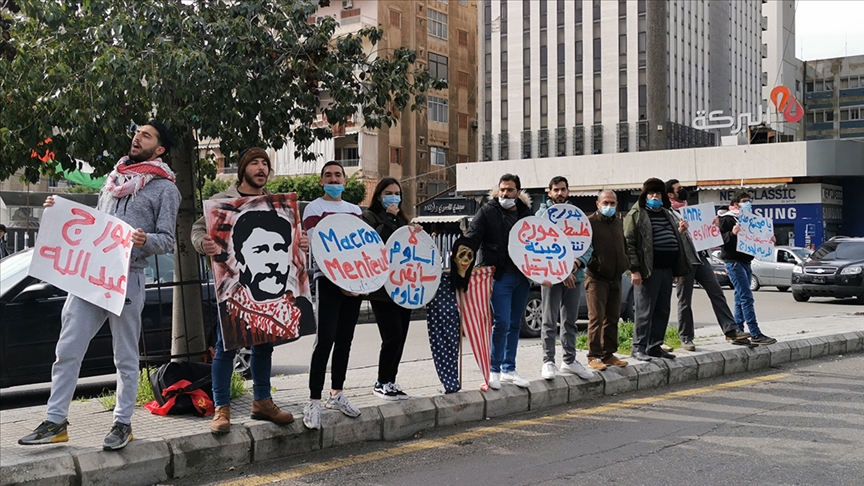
<point x="140" y="191"/>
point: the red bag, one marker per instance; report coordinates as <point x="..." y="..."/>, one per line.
<point x="200" y="400"/>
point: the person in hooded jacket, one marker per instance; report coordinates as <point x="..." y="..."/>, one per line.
<point x="657" y="258"/>
<point x="491" y="229"/>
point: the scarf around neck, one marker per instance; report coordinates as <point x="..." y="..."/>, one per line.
<point x="126" y="180"/>
<point x="677" y="205"/>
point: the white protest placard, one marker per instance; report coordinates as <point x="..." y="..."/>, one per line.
<point x="754" y="236"/>
<point x="415" y="268"/>
<point x="575" y="225"/>
<point x="704" y="233"/>
<point x="84" y="252"/>
<point x="540" y="249"/>
<point x="350" y="253"/>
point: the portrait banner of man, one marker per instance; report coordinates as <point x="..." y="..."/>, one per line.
<point x="261" y="281"/>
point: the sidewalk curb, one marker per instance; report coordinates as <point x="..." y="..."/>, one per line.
<point x="153" y="460"/>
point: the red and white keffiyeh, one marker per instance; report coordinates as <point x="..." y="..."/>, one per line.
<point x="126" y="180"/>
<point x="268" y="321"/>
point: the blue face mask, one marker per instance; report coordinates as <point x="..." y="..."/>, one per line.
<point x="607" y="211"/>
<point x="334" y="190"/>
<point x="747" y="207"/>
<point x="389" y="199"/>
<point x="653" y="203"/>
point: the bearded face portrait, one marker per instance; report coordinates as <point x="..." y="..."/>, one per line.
<point x="263" y="255"/>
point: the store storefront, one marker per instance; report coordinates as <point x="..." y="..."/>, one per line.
<point x="804" y="215"/>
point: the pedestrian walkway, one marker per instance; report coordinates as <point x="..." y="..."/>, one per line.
<point x="181" y="446"/>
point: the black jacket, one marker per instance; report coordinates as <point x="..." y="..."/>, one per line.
<point x="385" y="224"/>
<point x="490" y="230"/>
<point x="729" y="251"/>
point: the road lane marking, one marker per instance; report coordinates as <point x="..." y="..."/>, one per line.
<point x="427" y="444"/>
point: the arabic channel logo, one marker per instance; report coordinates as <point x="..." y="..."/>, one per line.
<point x="787" y="104"/>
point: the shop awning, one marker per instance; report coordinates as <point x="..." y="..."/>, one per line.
<point x="439" y="219"/>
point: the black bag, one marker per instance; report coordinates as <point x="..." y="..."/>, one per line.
<point x="199" y="374"/>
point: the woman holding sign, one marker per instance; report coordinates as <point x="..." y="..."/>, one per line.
<point x="385" y="216"/>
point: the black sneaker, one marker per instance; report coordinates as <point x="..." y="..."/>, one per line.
<point x="762" y="340"/>
<point x="120" y="435"/>
<point x="47" y="433"/>
<point x="385" y="392"/>
<point x="743" y="342"/>
<point x="737" y="335"/>
<point x="399" y="393"/>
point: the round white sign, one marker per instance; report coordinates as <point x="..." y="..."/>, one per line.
<point x="350" y="253"/>
<point x="575" y="225"/>
<point x="414" y="268"/>
<point x="540" y="250"/>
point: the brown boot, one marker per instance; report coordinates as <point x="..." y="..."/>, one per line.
<point x="221" y="423"/>
<point x="267" y="410"/>
<point x="614" y="361"/>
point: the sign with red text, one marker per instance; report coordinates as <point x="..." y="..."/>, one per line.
<point x="414" y="268"/>
<point x="350" y="253"/>
<point x="261" y="281"/>
<point x="540" y="250"/>
<point x="754" y="235"/>
<point x="84" y="252"/>
<point x="575" y="225"/>
<point x="704" y="233"/>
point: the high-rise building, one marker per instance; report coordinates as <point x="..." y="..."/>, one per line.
<point x="780" y="67"/>
<point x="575" y="77"/>
<point x="423" y="148"/>
<point x="834" y="106"/>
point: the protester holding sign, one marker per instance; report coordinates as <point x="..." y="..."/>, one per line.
<point x="141" y="192"/>
<point x="701" y="270"/>
<point x="385" y="216"/>
<point x="561" y="300"/>
<point x="252" y="174"/>
<point x="738" y="267"/>
<point x="657" y="257"/>
<point x="491" y="229"/>
<point x="338" y="309"/>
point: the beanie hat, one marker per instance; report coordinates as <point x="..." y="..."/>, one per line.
<point x="247" y="156"/>
<point x="654" y="185"/>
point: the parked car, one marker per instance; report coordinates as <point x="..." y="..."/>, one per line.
<point x="532" y="321"/>
<point x="719" y="269"/>
<point x="30" y="321"/>
<point x="777" y="271"/>
<point x="835" y="269"/>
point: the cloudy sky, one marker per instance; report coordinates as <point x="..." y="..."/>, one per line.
<point x="829" y="28"/>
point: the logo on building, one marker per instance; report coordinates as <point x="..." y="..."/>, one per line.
<point x="787" y="104"/>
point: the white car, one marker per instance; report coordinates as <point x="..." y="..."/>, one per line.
<point x="777" y="271"/>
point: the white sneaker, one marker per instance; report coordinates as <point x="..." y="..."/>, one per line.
<point x="495" y="381"/>
<point x="514" y="378"/>
<point x="312" y="415"/>
<point x="340" y="402"/>
<point x="575" y="368"/>
<point x="548" y="371"/>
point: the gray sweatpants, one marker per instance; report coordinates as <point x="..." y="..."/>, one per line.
<point x="560" y="305"/>
<point x="653" y="305"/>
<point x="703" y="274"/>
<point x="81" y="320"/>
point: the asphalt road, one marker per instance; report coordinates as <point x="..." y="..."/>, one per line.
<point x="771" y="305"/>
<point x="800" y="423"/>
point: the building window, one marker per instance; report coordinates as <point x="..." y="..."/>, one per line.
<point x="396" y="19"/>
<point x="526" y="62"/>
<point x="439" y="110"/>
<point x="437" y="24"/>
<point x="463" y="80"/>
<point x="543" y="143"/>
<point x="622" y="104"/>
<point x="504" y="110"/>
<point x="503" y="67"/>
<point x="597" y="144"/>
<point x="544" y="62"/>
<point x="464" y="3"/>
<point x="596" y="55"/>
<point x="829" y="85"/>
<point x="526" y="144"/>
<point x="623" y="137"/>
<point x="643" y="101"/>
<point x="463" y="120"/>
<point x="396" y="155"/>
<point x="561" y="142"/>
<point x="598" y="106"/>
<point x="578" y="57"/>
<point x="437" y="156"/>
<point x="579" y="140"/>
<point x="504" y="146"/>
<point x="853" y="82"/>
<point x="438" y="66"/>
<point x="463" y="38"/>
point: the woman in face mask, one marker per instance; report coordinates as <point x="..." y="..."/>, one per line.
<point x="385" y="216"/>
<point x="657" y="258"/>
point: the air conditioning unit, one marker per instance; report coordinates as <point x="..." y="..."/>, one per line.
<point x="347" y="4"/>
<point x="474" y="124"/>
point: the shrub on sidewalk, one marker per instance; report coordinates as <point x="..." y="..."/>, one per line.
<point x="625" y="338"/>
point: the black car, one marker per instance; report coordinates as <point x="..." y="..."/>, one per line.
<point x="532" y="321"/>
<point x="30" y="321"/>
<point x="835" y="269"/>
<point x="719" y="269"/>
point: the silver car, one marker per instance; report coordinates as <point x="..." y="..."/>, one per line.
<point x="777" y="271"/>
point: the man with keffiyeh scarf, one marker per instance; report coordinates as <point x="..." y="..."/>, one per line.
<point x="140" y="191"/>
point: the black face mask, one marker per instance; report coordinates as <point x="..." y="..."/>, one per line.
<point x="683" y="194"/>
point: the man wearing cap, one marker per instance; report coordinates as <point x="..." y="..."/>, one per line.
<point x="252" y="174"/>
<point x="140" y="191"/>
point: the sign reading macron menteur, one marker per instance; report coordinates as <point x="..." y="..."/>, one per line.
<point x="350" y="253"/>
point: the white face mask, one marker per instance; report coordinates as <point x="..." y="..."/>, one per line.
<point x="506" y="203"/>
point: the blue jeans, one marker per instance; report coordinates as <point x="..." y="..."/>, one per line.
<point x="223" y="367"/>
<point x="740" y="274"/>
<point x="509" y="297"/>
